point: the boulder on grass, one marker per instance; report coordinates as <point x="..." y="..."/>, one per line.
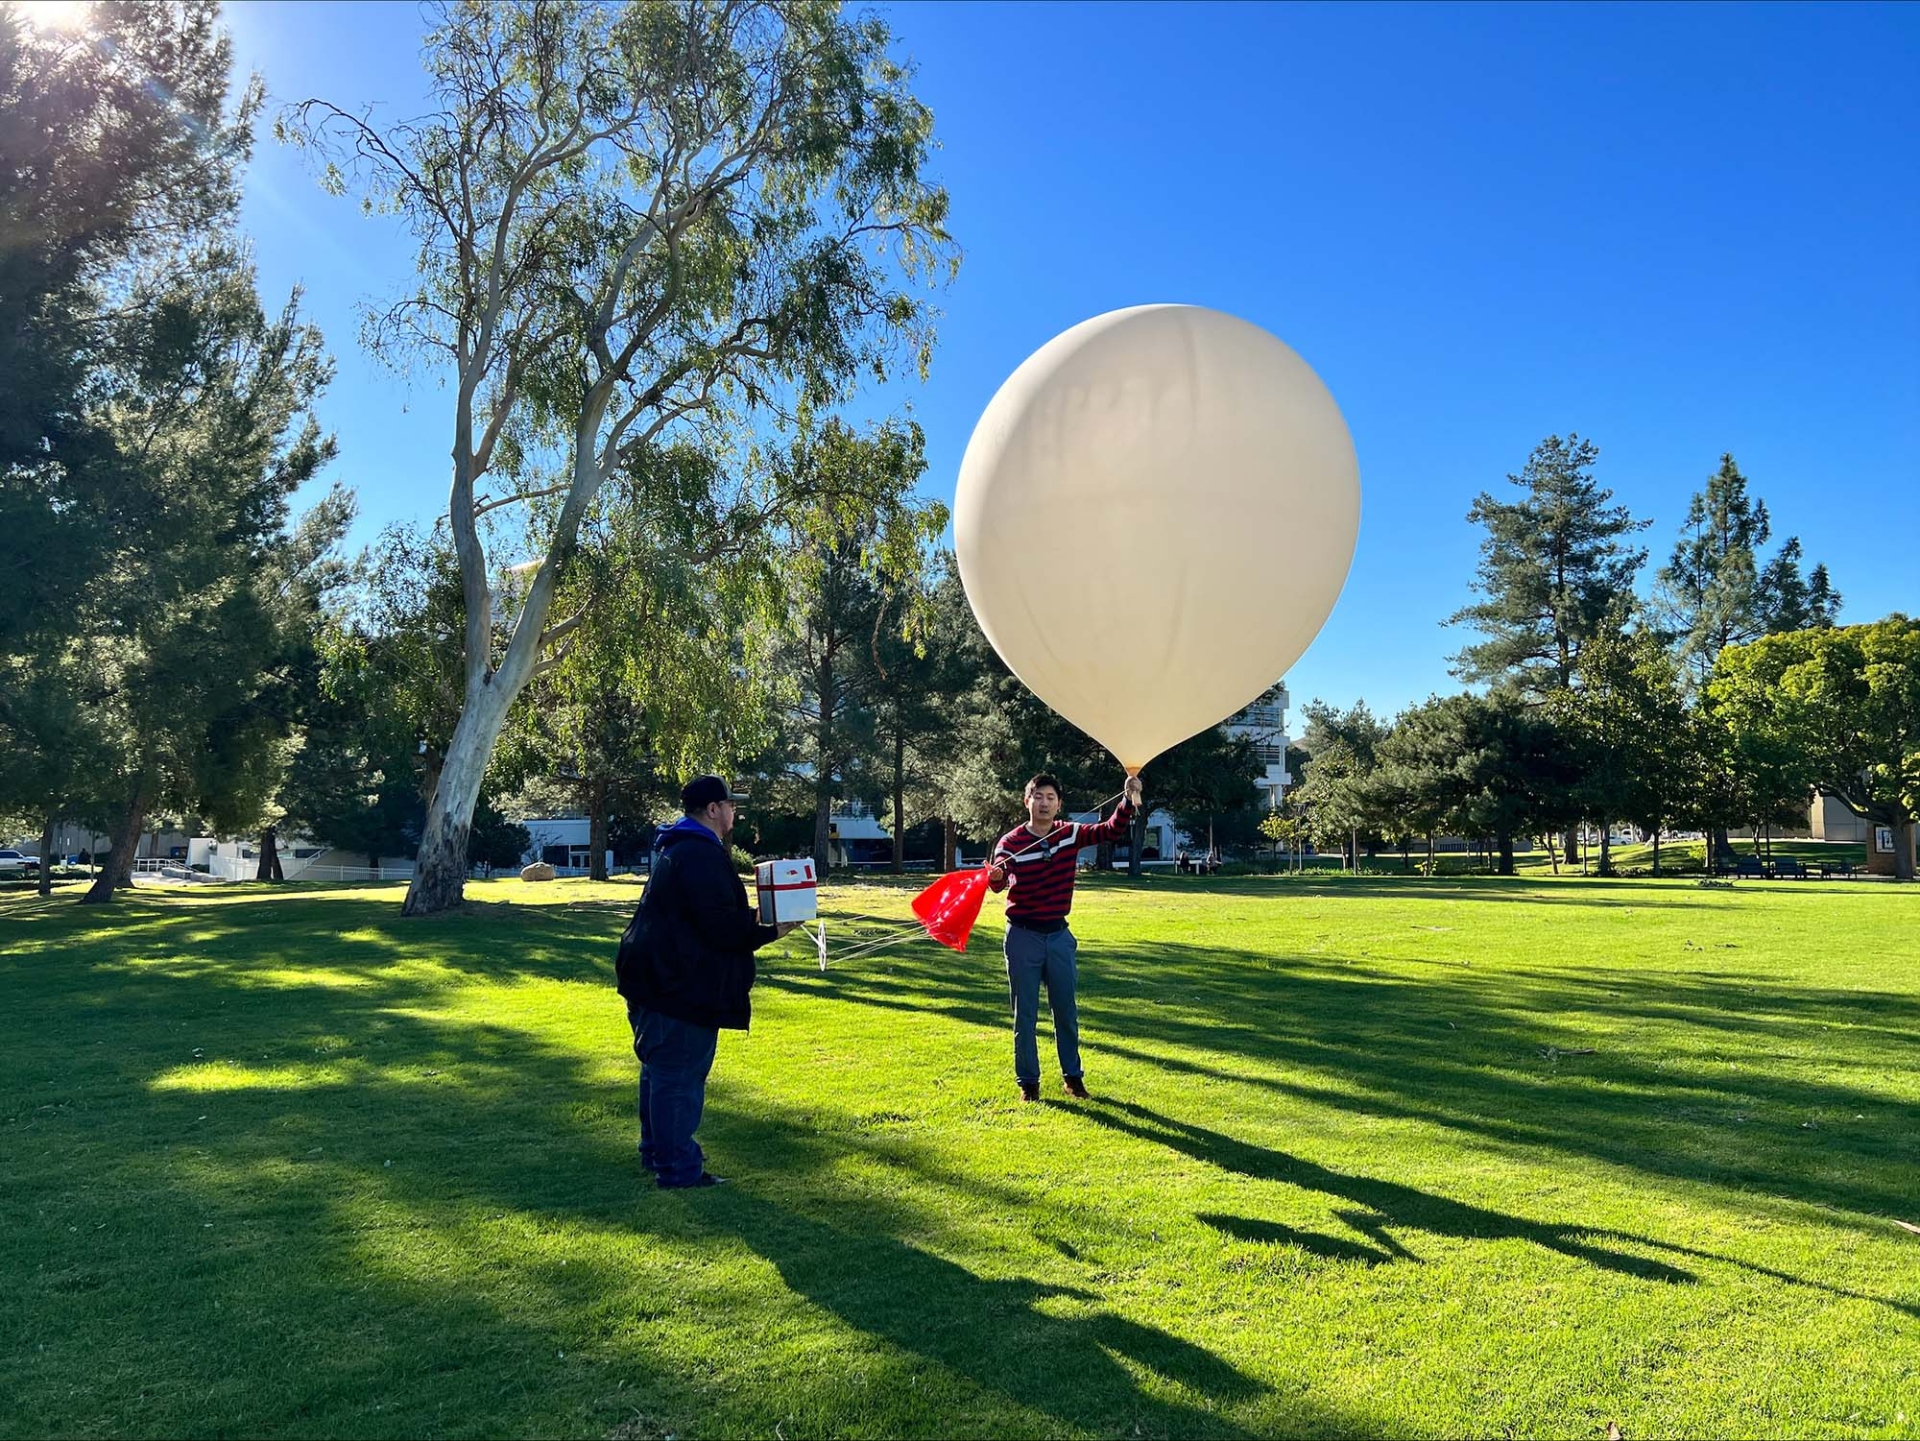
<point x="538" y="871"/>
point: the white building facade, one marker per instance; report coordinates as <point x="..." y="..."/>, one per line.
<point x="1265" y="724"/>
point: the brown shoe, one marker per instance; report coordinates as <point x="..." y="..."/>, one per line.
<point x="1076" y="1088"/>
<point x="1029" y="1090"/>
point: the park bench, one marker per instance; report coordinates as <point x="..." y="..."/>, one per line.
<point x="1841" y="870"/>
<point x="1789" y="869"/>
<point x="1750" y="867"/>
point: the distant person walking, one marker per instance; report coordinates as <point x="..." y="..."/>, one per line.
<point x="684" y="968"/>
<point x="1034" y="864"/>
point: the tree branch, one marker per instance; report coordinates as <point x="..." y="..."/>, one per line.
<point x="561" y="629"/>
<point x="497" y="502"/>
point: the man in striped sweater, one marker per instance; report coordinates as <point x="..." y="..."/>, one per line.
<point x="1034" y="864"/>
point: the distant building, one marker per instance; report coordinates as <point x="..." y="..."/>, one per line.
<point x="1265" y="724"/>
<point x="1831" y="819"/>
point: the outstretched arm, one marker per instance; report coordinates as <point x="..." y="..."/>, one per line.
<point x="1119" y="825"/>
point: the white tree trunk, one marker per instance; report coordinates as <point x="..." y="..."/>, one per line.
<point x="440" y="869"/>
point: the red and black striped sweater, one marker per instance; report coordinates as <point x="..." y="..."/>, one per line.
<point x="1041" y="880"/>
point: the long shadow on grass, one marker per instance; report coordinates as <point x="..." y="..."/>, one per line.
<point x="336" y="1169"/>
<point x="1699" y="1094"/>
<point x="1064" y="1367"/>
<point x="1328" y="1248"/>
<point x="1384" y="1203"/>
<point x="487" y="1121"/>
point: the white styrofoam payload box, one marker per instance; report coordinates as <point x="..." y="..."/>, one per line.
<point x="786" y="891"/>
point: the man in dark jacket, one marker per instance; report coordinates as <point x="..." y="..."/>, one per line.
<point x="685" y="967"/>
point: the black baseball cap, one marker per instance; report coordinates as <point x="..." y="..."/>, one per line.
<point x="702" y="791"/>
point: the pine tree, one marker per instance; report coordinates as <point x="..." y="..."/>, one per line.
<point x="1714" y="592"/>
<point x="215" y="599"/>
<point x="1552" y="564"/>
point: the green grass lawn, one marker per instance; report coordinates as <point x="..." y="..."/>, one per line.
<point x="1441" y="1158"/>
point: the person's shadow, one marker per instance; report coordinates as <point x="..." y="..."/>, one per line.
<point x="993" y="1332"/>
<point x="1386" y="1203"/>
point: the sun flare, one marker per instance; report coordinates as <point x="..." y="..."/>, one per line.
<point x="56" y="14"/>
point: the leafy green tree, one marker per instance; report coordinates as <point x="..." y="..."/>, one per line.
<point x="386" y="699"/>
<point x="1837" y="708"/>
<point x="119" y="154"/>
<point x="1281" y="827"/>
<point x="1345" y="795"/>
<point x="1356" y="727"/>
<point x="211" y="607"/>
<point x="115" y="153"/>
<point x="496" y="841"/>
<point x="1411" y="790"/>
<point x="669" y="671"/>
<point x="1636" y="741"/>
<point x="1517" y="772"/>
<point x="858" y="564"/>
<point x="1334" y="799"/>
<point x="49" y="739"/>
<point x="1793" y="603"/>
<point x="1207" y="784"/>
<point x="917" y="688"/>
<point x="1492" y="766"/>
<point x="1553" y="565"/>
<point x="633" y="220"/>
<point x="354" y="782"/>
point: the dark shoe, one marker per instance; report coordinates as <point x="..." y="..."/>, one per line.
<point x="1029" y="1090"/>
<point x="707" y="1178"/>
<point x="1076" y="1088"/>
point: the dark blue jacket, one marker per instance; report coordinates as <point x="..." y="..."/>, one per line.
<point x="688" y="951"/>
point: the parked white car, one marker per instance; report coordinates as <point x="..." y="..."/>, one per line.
<point x="13" y="863"/>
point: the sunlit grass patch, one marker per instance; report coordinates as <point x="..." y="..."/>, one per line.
<point x="1414" y="1157"/>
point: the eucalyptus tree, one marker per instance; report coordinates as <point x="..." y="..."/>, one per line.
<point x="632" y="219"/>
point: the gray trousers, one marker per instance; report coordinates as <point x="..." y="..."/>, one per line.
<point x="1034" y="960"/>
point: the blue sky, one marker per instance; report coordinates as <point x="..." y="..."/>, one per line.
<point x="1676" y="230"/>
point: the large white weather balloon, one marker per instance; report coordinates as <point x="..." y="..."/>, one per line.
<point x="1153" y="520"/>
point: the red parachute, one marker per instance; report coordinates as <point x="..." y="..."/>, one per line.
<point x="949" y="907"/>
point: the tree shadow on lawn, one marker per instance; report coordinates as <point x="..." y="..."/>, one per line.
<point x="351" y="931"/>
<point x="845" y="1256"/>
<point x="1703" y="1098"/>
<point x="326" y="1196"/>
<point x="1383" y="1203"/>
<point x="522" y="1128"/>
<point x="1327" y="1248"/>
<point x="1387" y="1204"/>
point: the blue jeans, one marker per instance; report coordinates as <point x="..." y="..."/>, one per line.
<point x="1034" y="960"/>
<point x="675" y="1059"/>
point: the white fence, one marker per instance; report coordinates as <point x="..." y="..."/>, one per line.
<point x="352" y="873"/>
<point x="165" y="868"/>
